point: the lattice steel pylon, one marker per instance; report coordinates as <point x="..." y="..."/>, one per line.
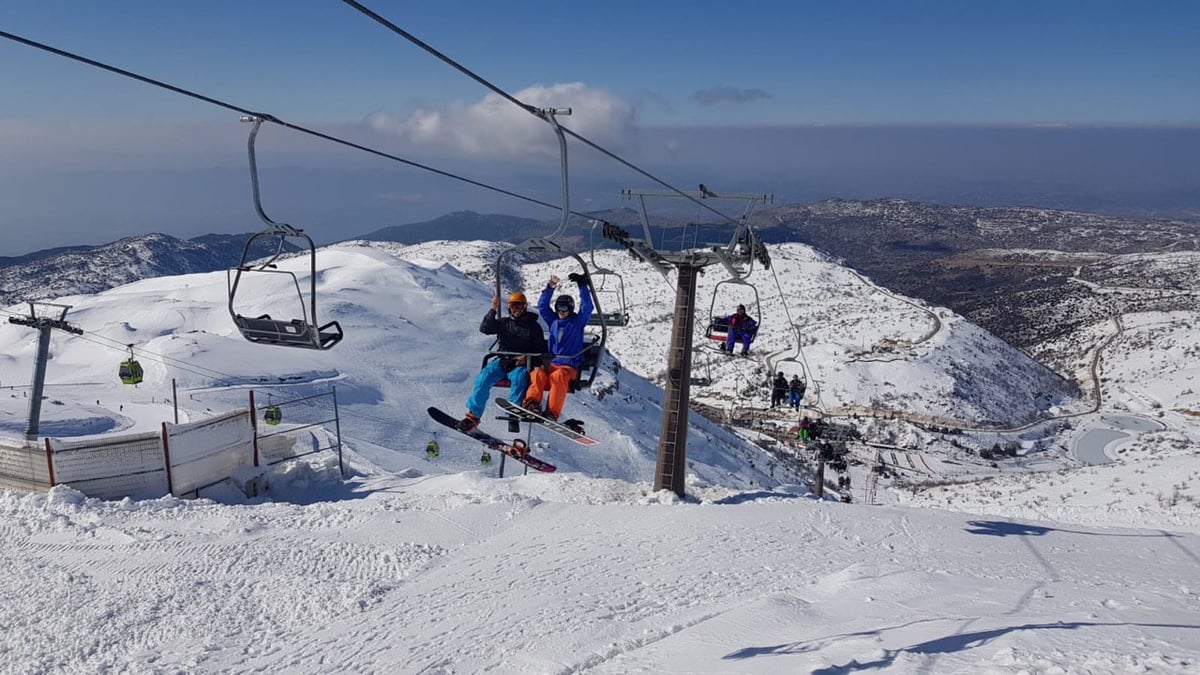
<point x="671" y="469"/>
<point x="44" y="324"/>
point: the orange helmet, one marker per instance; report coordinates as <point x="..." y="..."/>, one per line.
<point x="517" y="296"/>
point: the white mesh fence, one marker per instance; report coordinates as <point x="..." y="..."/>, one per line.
<point x="181" y="459"/>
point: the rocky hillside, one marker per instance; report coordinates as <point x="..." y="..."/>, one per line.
<point x="91" y="269"/>
<point x="1008" y="270"/>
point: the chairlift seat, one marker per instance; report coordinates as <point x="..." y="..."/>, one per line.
<point x="295" y="333"/>
<point x="263" y="329"/>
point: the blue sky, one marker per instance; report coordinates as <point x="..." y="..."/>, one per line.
<point x="644" y="75"/>
<point x="854" y="62"/>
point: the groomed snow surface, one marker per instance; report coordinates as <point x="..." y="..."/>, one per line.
<point x="565" y="573"/>
<point x="416" y="566"/>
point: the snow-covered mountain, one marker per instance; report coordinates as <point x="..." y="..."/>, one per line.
<point x="437" y="566"/>
<point x="411" y="342"/>
<point x="91" y="269"/>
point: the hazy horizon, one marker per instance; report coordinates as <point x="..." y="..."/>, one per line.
<point x="1083" y="105"/>
<point x="1135" y="172"/>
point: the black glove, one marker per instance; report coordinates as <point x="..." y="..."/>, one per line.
<point x="579" y="279"/>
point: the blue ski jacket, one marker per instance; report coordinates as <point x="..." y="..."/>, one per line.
<point x="566" y="335"/>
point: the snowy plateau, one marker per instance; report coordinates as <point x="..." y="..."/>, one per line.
<point x="1057" y="554"/>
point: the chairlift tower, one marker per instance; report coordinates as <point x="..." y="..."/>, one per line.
<point x="740" y="251"/>
<point x="44" y="324"/>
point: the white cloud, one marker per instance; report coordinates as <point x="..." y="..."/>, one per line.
<point x="495" y="128"/>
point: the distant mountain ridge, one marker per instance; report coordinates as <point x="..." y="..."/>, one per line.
<point x="472" y="226"/>
<point x="1007" y="269"/>
<point x="90" y="269"/>
<point x="990" y="264"/>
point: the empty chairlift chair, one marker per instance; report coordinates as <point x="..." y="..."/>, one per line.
<point x="303" y="331"/>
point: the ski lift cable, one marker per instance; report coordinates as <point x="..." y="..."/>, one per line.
<point x="328" y="137"/>
<point x="211" y="374"/>
<point x="201" y="371"/>
<point x="270" y="118"/>
<point x="533" y="110"/>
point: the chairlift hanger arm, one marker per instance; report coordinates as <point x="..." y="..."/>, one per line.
<point x="272" y="226"/>
<point x="550" y="115"/>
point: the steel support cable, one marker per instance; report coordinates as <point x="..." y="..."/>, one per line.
<point x="532" y="110"/>
<point x="212" y="374"/>
<point x="185" y="366"/>
<point x="270" y="118"/>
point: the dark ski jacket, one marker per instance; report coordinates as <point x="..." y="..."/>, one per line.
<point x="523" y="335"/>
<point x="566" y="335"/>
<point x="780" y="385"/>
<point x="796" y="385"/>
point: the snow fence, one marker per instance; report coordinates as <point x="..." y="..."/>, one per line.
<point x="180" y="460"/>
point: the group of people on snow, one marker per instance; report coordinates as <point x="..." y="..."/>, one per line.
<point x="524" y="346"/>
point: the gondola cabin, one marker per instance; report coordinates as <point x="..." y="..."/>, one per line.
<point x="272" y="414"/>
<point x="130" y="372"/>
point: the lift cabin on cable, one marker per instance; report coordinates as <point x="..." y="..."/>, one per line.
<point x="271" y="413"/>
<point x="594" y="341"/>
<point x="304" y="330"/>
<point x="130" y="371"/>
<point x="720" y="314"/>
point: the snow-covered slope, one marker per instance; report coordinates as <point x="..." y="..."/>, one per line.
<point x="437" y="566"/>
<point x="411" y="342"/>
<point x="568" y="574"/>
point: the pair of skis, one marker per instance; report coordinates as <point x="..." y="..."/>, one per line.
<point x="516" y="449"/>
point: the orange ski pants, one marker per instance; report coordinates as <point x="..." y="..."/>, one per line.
<point x="559" y="379"/>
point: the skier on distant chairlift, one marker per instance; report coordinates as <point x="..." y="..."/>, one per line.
<point x="779" y="389"/>
<point x="795" y="392"/>
<point x="741" y="327"/>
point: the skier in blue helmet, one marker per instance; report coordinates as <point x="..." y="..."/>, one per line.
<point x="566" y="343"/>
